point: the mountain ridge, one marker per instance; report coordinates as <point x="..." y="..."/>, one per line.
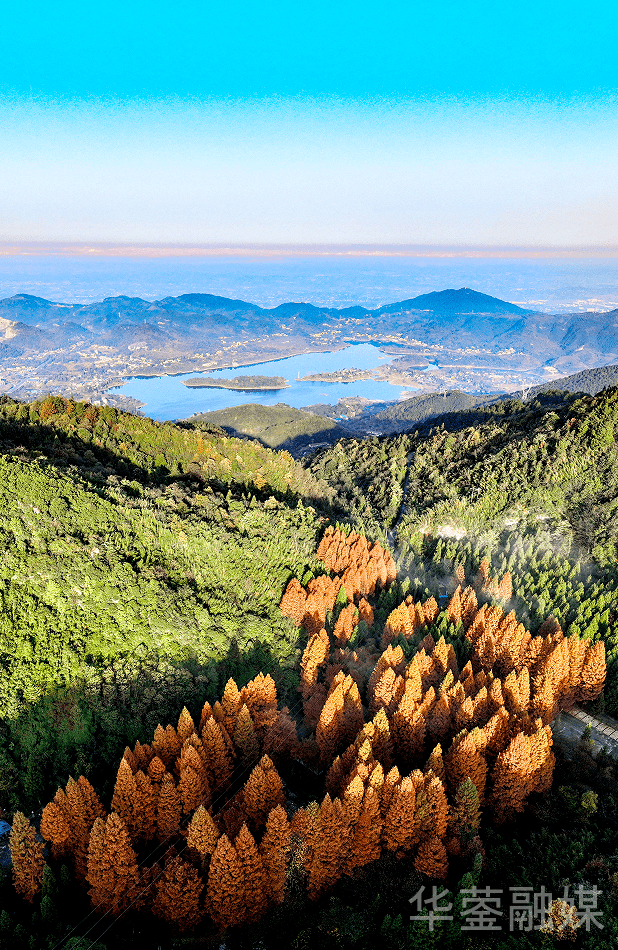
<point x="446" y="301"/>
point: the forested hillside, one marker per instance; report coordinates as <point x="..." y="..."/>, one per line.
<point x="531" y="486"/>
<point x="138" y="561"/>
<point x="247" y="696"/>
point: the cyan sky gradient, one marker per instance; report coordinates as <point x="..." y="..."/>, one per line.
<point x="396" y="122"/>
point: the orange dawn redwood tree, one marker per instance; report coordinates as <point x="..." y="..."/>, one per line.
<point x="253" y="872"/>
<point x="27" y="857"/>
<point x="177" y="894"/>
<point x="274" y="850"/>
<point x="113" y="873"/>
<point x="226" y="885"/>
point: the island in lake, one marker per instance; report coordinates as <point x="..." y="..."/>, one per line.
<point x="341" y="376"/>
<point x="247" y="384"/>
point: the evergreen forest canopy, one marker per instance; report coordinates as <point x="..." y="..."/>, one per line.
<point x="143" y="572"/>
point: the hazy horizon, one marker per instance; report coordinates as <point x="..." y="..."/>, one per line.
<point x="557" y="283"/>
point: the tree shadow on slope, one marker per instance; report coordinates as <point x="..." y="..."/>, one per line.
<point x="297" y="445"/>
<point x="83" y="729"/>
<point x="99" y="451"/>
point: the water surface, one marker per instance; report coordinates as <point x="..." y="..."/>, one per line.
<point x="166" y="398"/>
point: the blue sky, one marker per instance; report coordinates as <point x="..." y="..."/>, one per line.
<point x="408" y="123"/>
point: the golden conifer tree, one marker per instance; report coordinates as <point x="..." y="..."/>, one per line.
<point x="498" y="731"/>
<point x="431" y="859"/>
<point x="254" y="796"/>
<point x="365" y="611"/>
<point x="409" y="728"/>
<point x="193" y="785"/>
<point x="202" y="835"/>
<point x="505" y="587"/>
<point x="401" y="827"/>
<point x="436" y="797"/>
<point x="218" y="761"/>
<point x="274" y="851"/>
<point x="260" y="698"/>
<point x="325" y="866"/>
<point x="253" y="871"/>
<point x="169" y="809"/>
<point x="163" y="745"/>
<point x="463" y="759"/>
<point x="293" y="601"/>
<point x="345" y="624"/>
<point x="113" y="874"/>
<point x="454" y="610"/>
<point x="177" y="894"/>
<point x="27" y="857"/>
<point x="315" y="655"/>
<point x="469" y="606"/>
<point x="593" y="673"/>
<point x="92" y="805"/>
<point x="352" y="720"/>
<point x="465" y="714"/>
<point x="413" y="680"/>
<point x="542" y="760"/>
<point x="56" y="829"/>
<point x="511" y="778"/>
<point x="391" y="781"/>
<point x="130" y="759"/>
<point x="280" y="737"/>
<point x="435" y="763"/>
<point x="328" y="730"/>
<point x="156" y="770"/>
<point x="205" y="716"/>
<point x="440" y="720"/>
<point x="382" y="742"/>
<point x="226" y="885"/>
<point x="245" y="739"/>
<point x="231" y="703"/>
<point x="186" y="726"/>
<point x="273" y="792"/>
<point x="81" y="822"/>
<point x="365" y="844"/>
<point x="544" y="702"/>
<point x="125" y="798"/>
<point x="431" y="609"/>
<point x="146" y="806"/>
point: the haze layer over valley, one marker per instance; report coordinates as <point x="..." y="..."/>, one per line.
<point x="437" y="341"/>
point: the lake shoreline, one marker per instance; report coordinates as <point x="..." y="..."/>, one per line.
<point x="175" y="396"/>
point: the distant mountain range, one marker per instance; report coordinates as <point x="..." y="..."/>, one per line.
<point x="474" y="316"/>
<point x="118" y="310"/>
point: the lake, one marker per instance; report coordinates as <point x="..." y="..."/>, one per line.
<point x="166" y="398"/>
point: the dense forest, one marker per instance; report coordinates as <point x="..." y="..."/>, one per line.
<point x="219" y="665"/>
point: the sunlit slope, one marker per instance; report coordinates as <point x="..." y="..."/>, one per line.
<point x="533" y="487"/>
<point x="122" y="540"/>
<point x="554" y="459"/>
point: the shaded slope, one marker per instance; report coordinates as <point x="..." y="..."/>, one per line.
<point x="279" y="427"/>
